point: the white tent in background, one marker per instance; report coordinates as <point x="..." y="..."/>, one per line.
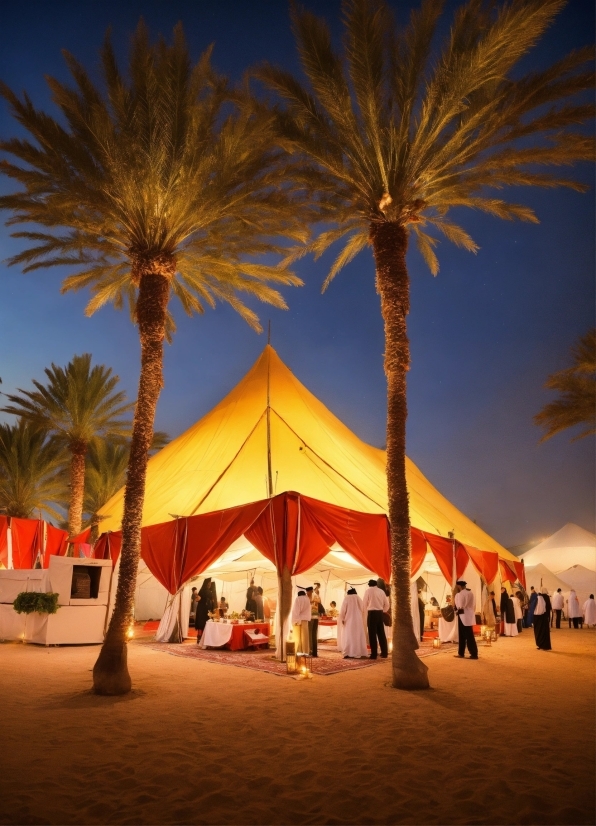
<point x="540" y="577"/>
<point x="571" y="545"/>
<point x="580" y="578"/>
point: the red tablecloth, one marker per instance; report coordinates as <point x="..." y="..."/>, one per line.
<point x="328" y="621"/>
<point x="238" y="640"/>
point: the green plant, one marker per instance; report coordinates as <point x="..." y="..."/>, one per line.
<point x="34" y="601"/>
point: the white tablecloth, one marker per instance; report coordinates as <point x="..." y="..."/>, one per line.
<point x="448" y="630"/>
<point x="216" y="634"/>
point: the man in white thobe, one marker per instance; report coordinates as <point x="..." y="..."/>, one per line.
<point x="465" y="608"/>
<point x="300" y="618"/>
<point x="353" y="639"/>
<point x="557" y="603"/>
<point x="590" y="611"/>
<point x="374" y="604"/>
<point x="573" y="610"/>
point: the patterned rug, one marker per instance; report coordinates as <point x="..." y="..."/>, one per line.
<point x="328" y="662"/>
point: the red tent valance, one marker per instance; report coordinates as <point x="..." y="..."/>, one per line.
<point x="507" y="575"/>
<point x="291" y="531"/>
<point x="26" y="541"/>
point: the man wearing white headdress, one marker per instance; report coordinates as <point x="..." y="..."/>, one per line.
<point x="573" y="610"/>
<point x="541" y="622"/>
<point x="590" y="611"/>
<point x="353" y="639"/>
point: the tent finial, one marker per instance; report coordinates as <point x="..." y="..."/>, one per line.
<point x="269" y="332"/>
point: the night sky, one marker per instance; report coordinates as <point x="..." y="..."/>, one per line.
<point x="485" y="333"/>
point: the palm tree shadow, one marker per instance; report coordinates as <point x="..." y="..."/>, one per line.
<point x="438" y="696"/>
<point x="89" y="699"/>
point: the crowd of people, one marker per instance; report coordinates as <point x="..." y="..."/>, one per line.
<point x="511" y="615"/>
<point x="374" y="608"/>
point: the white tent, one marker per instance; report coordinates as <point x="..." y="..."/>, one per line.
<point x="571" y="545"/>
<point x="540" y="577"/>
<point x="582" y="579"/>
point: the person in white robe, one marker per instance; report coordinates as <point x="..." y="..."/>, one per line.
<point x="557" y="602"/>
<point x="353" y="639"/>
<point x="301" y="613"/>
<point x="589" y="609"/>
<point x="573" y="610"/>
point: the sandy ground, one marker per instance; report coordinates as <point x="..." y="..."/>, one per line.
<point x="507" y="739"/>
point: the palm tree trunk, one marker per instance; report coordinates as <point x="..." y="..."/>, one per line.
<point x="77" y="487"/>
<point x="390" y="243"/>
<point x="110" y="674"/>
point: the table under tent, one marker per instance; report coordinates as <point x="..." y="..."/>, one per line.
<point x="270" y="481"/>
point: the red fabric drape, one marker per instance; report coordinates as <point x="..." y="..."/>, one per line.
<point x="25" y="541"/>
<point x="81" y="538"/>
<point x="521" y="572"/>
<point x="443" y="550"/>
<point x="108" y="546"/>
<point x="289" y="530"/>
<point x="418" y="550"/>
<point x="4" y="541"/>
<point x="461" y="560"/>
<point x="363" y="535"/>
<point x="56" y="543"/>
<point x="485" y="562"/>
<point x="207" y="537"/>
<point x="507" y="575"/>
<point x="491" y="565"/>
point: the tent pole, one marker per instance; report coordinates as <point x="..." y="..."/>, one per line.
<point x="269" y="473"/>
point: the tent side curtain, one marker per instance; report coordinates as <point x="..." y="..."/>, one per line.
<point x="418" y="550"/>
<point x="485" y="562"/>
<point x="26" y="541"/>
<point x="56" y="543"/>
<point x="4" y="541"/>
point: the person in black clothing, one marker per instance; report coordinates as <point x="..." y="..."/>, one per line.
<point x="204" y="606"/>
<point x="421" y="607"/>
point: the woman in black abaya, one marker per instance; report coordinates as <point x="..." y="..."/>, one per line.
<point x="541" y="623"/>
<point x="204" y="605"/>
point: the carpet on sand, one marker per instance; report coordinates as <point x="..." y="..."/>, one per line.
<point x="327" y="663"/>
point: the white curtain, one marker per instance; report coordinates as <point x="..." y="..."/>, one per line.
<point x="174" y="623"/>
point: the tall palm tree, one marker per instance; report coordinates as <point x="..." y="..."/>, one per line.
<point x="576" y="385"/>
<point x="78" y="404"/>
<point x="31" y="471"/>
<point x="394" y="134"/>
<point x="167" y="183"/>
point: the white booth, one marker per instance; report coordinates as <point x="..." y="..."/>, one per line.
<point x="83" y="588"/>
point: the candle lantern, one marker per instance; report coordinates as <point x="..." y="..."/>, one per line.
<point x="494" y="636"/>
<point x="483" y="630"/>
<point x="436" y="642"/>
<point x="304" y="665"/>
<point x="291" y="665"/>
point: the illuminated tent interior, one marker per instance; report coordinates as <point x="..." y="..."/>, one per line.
<point x="270" y="440"/>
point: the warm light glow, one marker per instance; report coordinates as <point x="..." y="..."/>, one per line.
<point x="131" y="632"/>
<point x="390" y="646"/>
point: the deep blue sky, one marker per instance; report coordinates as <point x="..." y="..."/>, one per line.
<point x="485" y="333"/>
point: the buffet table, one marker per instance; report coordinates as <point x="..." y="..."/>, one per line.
<point x="230" y="635"/>
<point x="327" y="629"/>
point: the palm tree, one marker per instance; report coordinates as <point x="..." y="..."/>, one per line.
<point x="78" y="404"/>
<point x="393" y="135"/>
<point x="167" y="183"/>
<point x="576" y="385"/>
<point x="31" y="471"/>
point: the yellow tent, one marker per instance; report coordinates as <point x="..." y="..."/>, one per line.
<point x="270" y="435"/>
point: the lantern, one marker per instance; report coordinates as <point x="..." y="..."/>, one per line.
<point x="291" y="665"/>
<point x="304" y="665"/>
<point x="436" y="642"/>
<point x="483" y="630"/>
<point x="494" y="636"/>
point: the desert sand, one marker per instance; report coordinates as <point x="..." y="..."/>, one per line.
<point x="507" y="739"/>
